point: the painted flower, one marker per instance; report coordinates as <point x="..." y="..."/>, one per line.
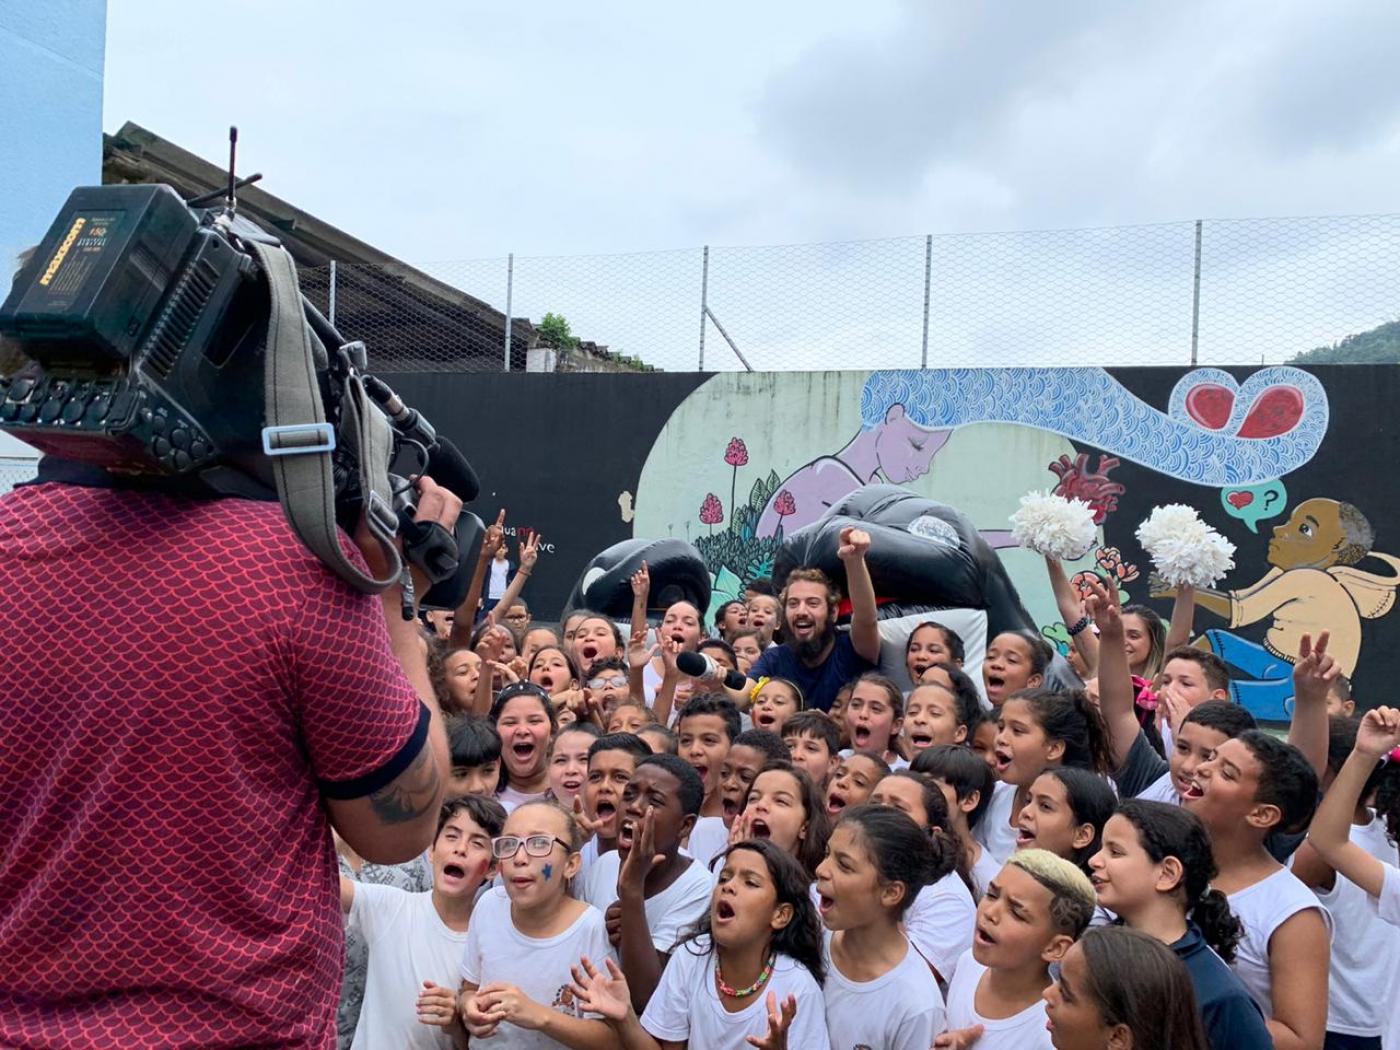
<point x="737" y="454"/>
<point x="785" y="504"/>
<point x="711" y="511"/>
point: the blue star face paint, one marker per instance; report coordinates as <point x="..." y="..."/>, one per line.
<point x="548" y="872"/>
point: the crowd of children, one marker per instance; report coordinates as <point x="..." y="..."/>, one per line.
<point x="836" y="858"/>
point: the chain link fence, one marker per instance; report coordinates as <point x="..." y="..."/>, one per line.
<point x="1215" y="292"/>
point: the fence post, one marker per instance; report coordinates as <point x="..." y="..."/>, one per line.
<point x="510" y="285"/>
<point x="1196" y="296"/>
<point x="704" y="304"/>
<point x="928" y="271"/>
<point x="330" y="311"/>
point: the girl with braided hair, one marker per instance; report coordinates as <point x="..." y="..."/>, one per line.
<point x="1154" y="871"/>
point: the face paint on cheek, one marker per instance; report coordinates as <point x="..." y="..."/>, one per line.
<point x="548" y="872"/>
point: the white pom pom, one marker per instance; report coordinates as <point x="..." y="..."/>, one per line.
<point x="1185" y="551"/>
<point x="1054" y="526"/>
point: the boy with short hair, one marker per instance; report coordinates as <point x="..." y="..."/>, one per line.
<point x="1034" y="909"/>
<point x="475" y="747"/>
<point x="607" y="683"/>
<point x="706" y="730"/>
<point x="416" y="939"/>
<point x="751" y="751"/>
<point x="649" y="890"/>
<point x="1340" y="702"/>
<point x="967" y="784"/>
<point x="814" y="741"/>
<point x="612" y="759"/>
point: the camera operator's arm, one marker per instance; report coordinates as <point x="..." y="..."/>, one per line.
<point x="382" y="759"/>
<point x="529" y="554"/>
<point x="464" y="622"/>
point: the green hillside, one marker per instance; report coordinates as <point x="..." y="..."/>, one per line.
<point x="1379" y="346"/>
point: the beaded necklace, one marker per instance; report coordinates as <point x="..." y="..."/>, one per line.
<point x="740" y="993"/>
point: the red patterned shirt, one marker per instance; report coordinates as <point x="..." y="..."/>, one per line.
<point x="179" y="677"/>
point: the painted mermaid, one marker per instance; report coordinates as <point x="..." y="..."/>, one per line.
<point x="1215" y="432"/>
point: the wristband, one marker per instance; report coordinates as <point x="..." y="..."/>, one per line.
<point x="1080" y="626"/>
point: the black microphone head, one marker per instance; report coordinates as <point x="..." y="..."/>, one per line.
<point x="693" y="664"/>
<point x="449" y="468"/>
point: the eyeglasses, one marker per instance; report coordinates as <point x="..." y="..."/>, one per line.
<point x="616" y="681"/>
<point x="508" y="846"/>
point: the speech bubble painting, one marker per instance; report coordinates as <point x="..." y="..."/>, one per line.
<point x="1253" y="503"/>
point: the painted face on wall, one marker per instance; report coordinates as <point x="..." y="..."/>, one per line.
<point x="905" y="449"/>
<point x="1311" y="536"/>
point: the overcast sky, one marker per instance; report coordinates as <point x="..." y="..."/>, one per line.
<point x="443" y="130"/>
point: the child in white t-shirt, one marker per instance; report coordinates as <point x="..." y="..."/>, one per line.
<point x="1253" y="786"/>
<point x="879" y="990"/>
<point x="1330" y="832"/>
<point x="516" y="990"/>
<point x="1031" y="913"/>
<point x="415" y="940"/>
<point x="752" y="969"/>
<point x="651" y="893"/>
<point x="967" y="783"/>
<point x="940" y="920"/>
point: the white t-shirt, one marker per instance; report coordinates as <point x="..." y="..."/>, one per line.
<point x="1388" y="909"/>
<point x="1365" y="953"/>
<point x="408" y="944"/>
<point x="901" y="1010"/>
<point x="984" y="870"/>
<point x="686" y="1005"/>
<point x="670" y="914"/>
<point x="538" y="966"/>
<point x="510" y="798"/>
<point x="1161" y="790"/>
<point x="500" y="572"/>
<point x="940" y="921"/>
<point x="708" y="840"/>
<point x="994" y="830"/>
<point x="1022" y="1031"/>
<point x="1262" y="909"/>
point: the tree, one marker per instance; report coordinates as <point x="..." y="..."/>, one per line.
<point x="554" y="333"/>
<point x="1379" y="346"/>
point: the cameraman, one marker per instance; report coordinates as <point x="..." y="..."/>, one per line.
<point x="190" y="702"/>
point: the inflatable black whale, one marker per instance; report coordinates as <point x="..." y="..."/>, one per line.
<point x="677" y="572"/>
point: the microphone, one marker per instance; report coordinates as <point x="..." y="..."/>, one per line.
<point x="698" y="665"/>
<point x="448" y="467"/>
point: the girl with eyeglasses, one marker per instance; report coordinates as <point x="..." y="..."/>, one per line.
<point x="526" y="933"/>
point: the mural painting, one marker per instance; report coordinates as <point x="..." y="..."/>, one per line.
<point x="980" y="439"/>
<point x="1291" y="465"/>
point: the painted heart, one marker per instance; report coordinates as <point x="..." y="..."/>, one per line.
<point x="1210" y="404"/>
<point x="1240" y="500"/>
<point x="1276" y="412"/>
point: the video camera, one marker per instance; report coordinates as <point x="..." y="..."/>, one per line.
<point x="171" y="344"/>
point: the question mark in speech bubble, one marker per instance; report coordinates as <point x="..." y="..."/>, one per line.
<point x="1253" y="503"/>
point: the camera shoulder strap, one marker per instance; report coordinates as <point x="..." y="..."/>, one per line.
<point x="299" y="440"/>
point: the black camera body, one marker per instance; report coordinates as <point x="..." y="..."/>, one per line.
<point x="145" y="321"/>
<point x="145" y="325"/>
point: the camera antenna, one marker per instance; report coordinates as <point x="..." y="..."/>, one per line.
<point x="231" y="201"/>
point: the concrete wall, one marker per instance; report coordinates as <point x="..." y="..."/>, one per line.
<point x="51" y="58"/>
<point x="734" y="462"/>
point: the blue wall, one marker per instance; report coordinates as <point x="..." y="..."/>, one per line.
<point x="51" y="55"/>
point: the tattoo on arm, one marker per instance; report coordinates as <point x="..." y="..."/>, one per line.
<point x="411" y="794"/>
